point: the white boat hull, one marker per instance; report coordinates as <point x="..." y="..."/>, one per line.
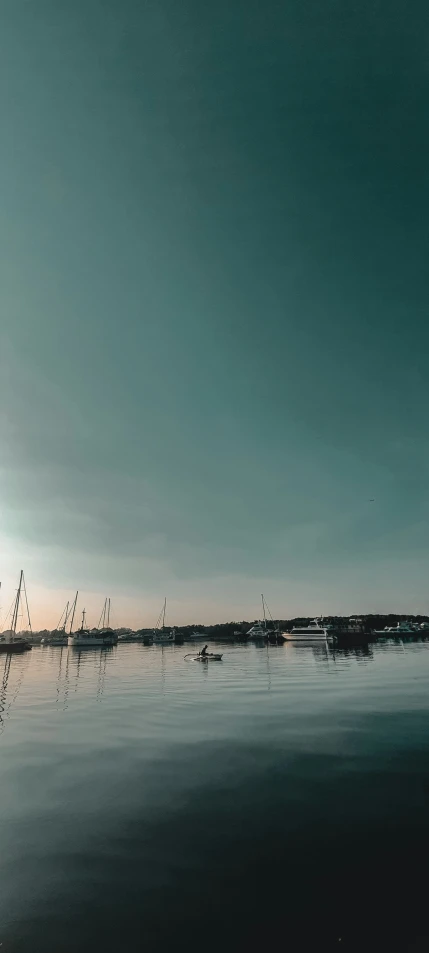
<point x="317" y="637"/>
<point x="84" y="642"/>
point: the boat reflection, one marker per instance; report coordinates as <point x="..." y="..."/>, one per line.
<point x="101" y="674"/>
<point x="17" y="664"/>
<point x="323" y="652"/>
<point x="362" y="653"/>
<point x="3" y="691"/>
<point x="299" y="650"/>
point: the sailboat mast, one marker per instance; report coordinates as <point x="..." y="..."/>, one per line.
<point x="16" y="606"/>
<point x="163" y="613"/>
<point x="73" y="611"/>
<point x="108" y="614"/>
<point x="263" y="610"/>
<point x="102" y="618"/>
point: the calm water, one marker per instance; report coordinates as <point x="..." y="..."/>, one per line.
<point x="280" y="796"/>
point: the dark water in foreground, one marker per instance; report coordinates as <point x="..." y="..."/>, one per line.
<point x="280" y="796"/>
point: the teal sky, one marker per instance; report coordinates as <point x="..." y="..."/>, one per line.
<point x="214" y="293"/>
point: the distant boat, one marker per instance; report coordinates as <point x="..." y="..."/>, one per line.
<point x="128" y="636"/>
<point x="160" y="633"/>
<point x="308" y="633"/>
<point x="261" y="630"/>
<point x="258" y="631"/>
<point x="401" y="628"/>
<point x="84" y="638"/>
<point x="10" y="642"/>
<point x="104" y="623"/>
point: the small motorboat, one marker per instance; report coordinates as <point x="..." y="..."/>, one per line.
<point x="209" y="657"/>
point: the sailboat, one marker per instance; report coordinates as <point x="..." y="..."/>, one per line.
<point x="84" y="638"/>
<point x="11" y="642"/>
<point x="261" y="631"/>
<point x="273" y="634"/>
<point x="160" y="633"/>
<point x="104" y="623"/>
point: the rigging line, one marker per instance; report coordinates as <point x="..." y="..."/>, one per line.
<point x="161" y="616"/>
<point x="61" y="618"/>
<point x="17" y="604"/>
<point x="8" y="614"/>
<point x="67" y="615"/>
<point x="60" y="621"/>
<point x="26" y="602"/>
<point x="74" y="610"/>
<point x="268" y="610"/>
<point x="102" y="616"/>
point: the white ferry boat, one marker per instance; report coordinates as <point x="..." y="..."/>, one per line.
<point x="308" y="633"/>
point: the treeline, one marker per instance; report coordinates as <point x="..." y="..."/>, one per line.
<point x="370" y="622"/>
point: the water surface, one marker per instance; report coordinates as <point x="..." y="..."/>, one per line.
<point x="149" y="802"/>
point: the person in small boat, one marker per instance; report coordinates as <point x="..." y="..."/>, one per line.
<point x="204" y="650"/>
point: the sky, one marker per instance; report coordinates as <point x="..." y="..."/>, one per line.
<point x="213" y="304"/>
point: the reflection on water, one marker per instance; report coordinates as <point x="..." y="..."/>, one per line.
<point x="3" y="690"/>
<point x="280" y="795"/>
<point x="14" y="667"/>
<point x="363" y="653"/>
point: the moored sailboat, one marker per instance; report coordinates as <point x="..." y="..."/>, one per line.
<point x="160" y="633"/>
<point x="11" y="642"/>
<point x="104" y="629"/>
<point x="261" y="630"/>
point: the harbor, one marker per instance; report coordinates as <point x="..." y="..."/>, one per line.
<point x="352" y="630"/>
